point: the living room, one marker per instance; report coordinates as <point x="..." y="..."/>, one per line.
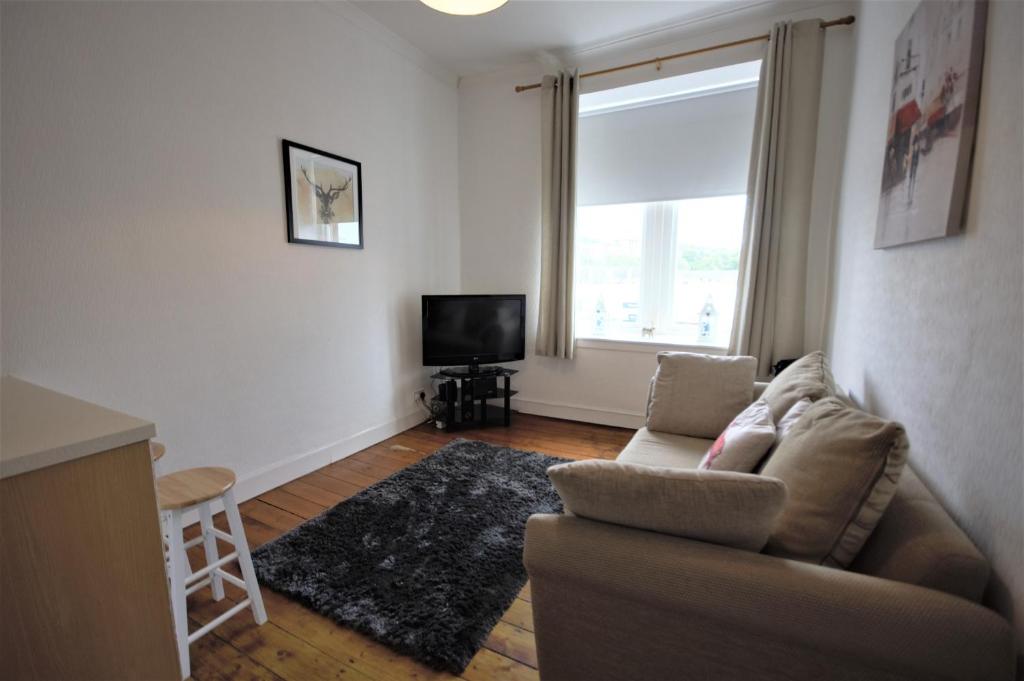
<point x="722" y="187"/>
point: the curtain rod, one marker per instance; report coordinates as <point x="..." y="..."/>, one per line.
<point x="843" y="21"/>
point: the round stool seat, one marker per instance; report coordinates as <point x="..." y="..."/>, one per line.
<point x="192" y="486"/>
<point x="157" y="450"/>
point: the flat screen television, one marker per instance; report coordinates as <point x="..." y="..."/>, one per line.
<point x="473" y="329"/>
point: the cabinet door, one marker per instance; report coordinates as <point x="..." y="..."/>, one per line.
<point x="82" y="579"/>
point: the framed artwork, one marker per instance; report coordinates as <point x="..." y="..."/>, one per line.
<point x="323" y="197"/>
<point x="933" y="110"/>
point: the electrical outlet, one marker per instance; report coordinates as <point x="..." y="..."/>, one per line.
<point x="419" y="395"/>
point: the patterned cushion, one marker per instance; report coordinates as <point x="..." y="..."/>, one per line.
<point x="783" y="427"/>
<point x="841" y="466"/>
<point x="743" y="442"/>
<point x="791" y="417"/>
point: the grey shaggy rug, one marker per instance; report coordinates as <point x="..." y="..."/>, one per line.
<point x="425" y="561"/>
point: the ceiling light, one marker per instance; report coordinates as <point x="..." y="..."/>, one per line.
<point x="464" y="7"/>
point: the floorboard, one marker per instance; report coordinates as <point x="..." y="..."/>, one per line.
<point x="298" y="644"/>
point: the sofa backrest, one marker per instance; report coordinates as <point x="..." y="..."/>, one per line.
<point x="917" y="542"/>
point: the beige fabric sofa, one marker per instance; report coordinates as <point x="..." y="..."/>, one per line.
<point x="618" y="603"/>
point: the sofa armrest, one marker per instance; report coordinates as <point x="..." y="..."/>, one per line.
<point x="612" y="602"/>
<point x="759" y="387"/>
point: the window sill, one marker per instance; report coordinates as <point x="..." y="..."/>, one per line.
<point x="645" y="346"/>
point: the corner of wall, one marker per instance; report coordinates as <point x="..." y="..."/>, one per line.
<point x="929" y="333"/>
<point x="351" y="13"/>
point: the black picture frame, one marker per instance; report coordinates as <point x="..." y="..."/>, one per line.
<point x="298" y="234"/>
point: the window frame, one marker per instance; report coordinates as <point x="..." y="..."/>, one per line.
<point x="645" y="346"/>
<point x="659" y="253"/>
<point x="727" y="58"/>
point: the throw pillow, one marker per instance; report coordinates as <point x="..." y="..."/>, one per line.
<point x="698" y="395"/>
<point x="808" y="377"/>
<point x="733" y="509"/>
<point x="841" y="466"/>
<point x="744" y="441"/>
<point x="791" y="417"/>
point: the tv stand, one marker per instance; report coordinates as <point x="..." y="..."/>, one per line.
<point x="464" y="395"/>
<point x="472" y="370"/>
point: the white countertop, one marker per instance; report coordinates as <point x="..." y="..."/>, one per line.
<point x="42" y="427"/>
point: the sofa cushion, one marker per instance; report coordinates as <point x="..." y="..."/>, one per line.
<point x="808" y="377"/>
<point x="841" y="466"/>
<point x="791" y="417"/>
<point x="782" y="427"/>
<point x="664" y="449"/>
<point x="732" y="509"/>
<point x="743" y="443"/>
<point x="917" y="542"/>
<point x="698" y="395"/>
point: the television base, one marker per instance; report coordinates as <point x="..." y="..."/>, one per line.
<point x="464" y="398"/>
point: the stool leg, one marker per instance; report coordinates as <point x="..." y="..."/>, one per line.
<point x="210" y="545"/>
<point x="252" y="587"/>
<point x="179" y="572"/>
<point x="165" y="522"/>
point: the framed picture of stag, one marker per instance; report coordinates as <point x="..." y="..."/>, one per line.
<point x="323" y="197"/>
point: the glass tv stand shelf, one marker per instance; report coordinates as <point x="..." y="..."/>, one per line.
<point x="464" y="398"/>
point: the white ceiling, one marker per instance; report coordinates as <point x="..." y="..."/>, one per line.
<point x="522" y="30"/>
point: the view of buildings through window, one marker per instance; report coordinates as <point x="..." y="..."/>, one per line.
<point x="666" y="270"/>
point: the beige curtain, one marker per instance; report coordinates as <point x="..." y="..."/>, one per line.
<point x="769" y="317"/>
<point x="560" y="101"/>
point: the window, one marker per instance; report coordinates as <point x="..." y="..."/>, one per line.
<point x="662" y="173"/>
<point x="667" y="270"/>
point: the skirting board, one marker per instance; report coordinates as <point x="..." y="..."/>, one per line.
<point x="277" y="474"/>
<point x="575" y="412"/>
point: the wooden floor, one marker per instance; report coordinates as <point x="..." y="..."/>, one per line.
<point x="299" y="645"/>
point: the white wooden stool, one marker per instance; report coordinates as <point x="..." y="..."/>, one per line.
<point x="198" y="488"/>
<point x="156" y="450"/>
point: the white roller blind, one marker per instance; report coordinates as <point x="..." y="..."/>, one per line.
<point x="683" y="149"/>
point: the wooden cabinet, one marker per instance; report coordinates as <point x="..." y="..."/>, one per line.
<point x="83" y="591"/>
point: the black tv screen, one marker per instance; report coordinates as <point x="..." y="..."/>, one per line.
<point x="473" y="329"/>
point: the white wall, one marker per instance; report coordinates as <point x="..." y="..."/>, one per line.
<point x="931" y="333"/>
<point x="1" y="212"/>
<point x="145" y="264"/>
<point x="499" y="186"/>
